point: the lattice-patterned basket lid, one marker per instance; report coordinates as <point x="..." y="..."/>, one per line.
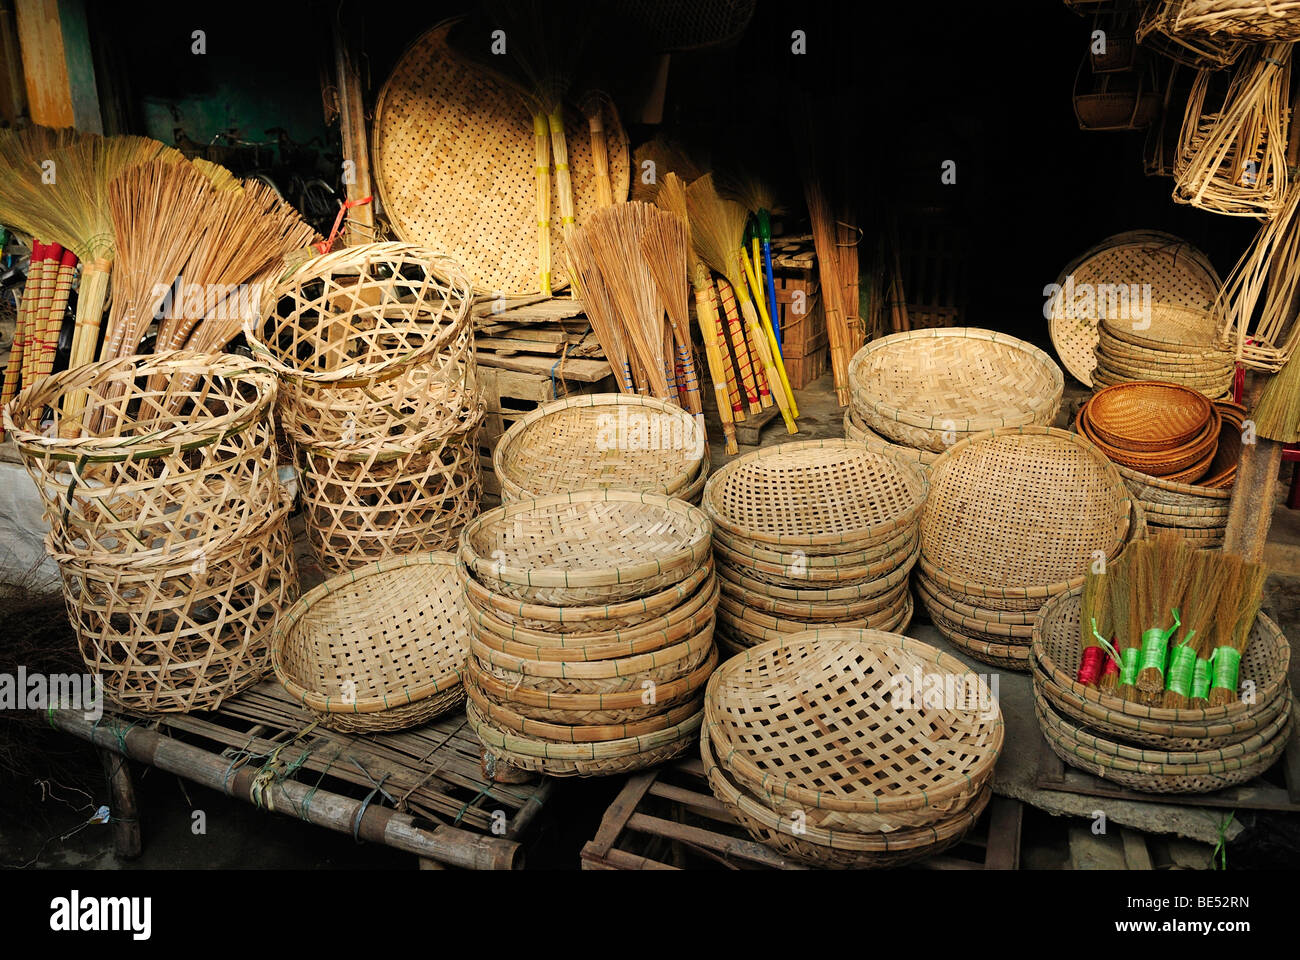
<point x="454" y="166"/>
<point x="1178" y="275"/>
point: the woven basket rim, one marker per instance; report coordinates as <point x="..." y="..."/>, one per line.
<point x="579" y="733"/>
<point x="871" y="534"/>
<point x="605" y="668"/>
<point x="943" y="422"/>
<point x="514" y="435"/>
<point x="1168" y="444"/>
<point x="750" y="550"/>
<point x="492" y="736"/>
<point x="990" y="630"/>
<point x="874" y="441"/>
<point x="180" y="437"/>
<point x="847" y="596"/>
<point x="1009" y="617"/>
<point x="1172" y="486"/>
<point x="373" y="704"/>
<point x="737" y="615"/>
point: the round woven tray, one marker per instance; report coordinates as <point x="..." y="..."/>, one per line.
<point x="1179" y="275"/>
<point x="454" y="166"/>
<point x="962" y="606"/>
<point x="378" y="648"/>
<point x="952" y="380"/>
<point x="1008" y="656"/>
<point x="1152" y="416"/>
<point x="1173" y="330"/>
<point x="818" y="496"/>
<point x="797" y="568"/>
<point x="659" y="607"/>
<point x="1016" y="512"/>
<point x="855" y="429"/>
<point x="843" y="849"/>
<point x="600" y="440"/>
<point x="814" y="611"/>
<point x="744" y="626"/>
<point x="799" y="590"/>
<point x="592" y="731"/>
<point x="586" y="547"/>
<point x="1056" y="647"/>
<point x="813" y="722"/>
<point x="977" y="628"/>
<point x="1078" y="749"/>
<point x="1216" y="389"/>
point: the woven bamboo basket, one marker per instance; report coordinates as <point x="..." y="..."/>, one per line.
<point x="1105" y="280"/>
<point x="743" y="626"/>
<point x="508" y="720"/>
<point x="970" y="608"/>
<point x="1254" y="21"/>
<point x="370" y="345"/>
<point x="798" y="589"/>
<point x="603" y="758"/>
<point x="914" y="387"/>
<point x="1264" y="665"/>
<point x="1019" y="513"/>
<point x="1007" y="656"/>
<point x="1216" y="390"/>
<point x="389" y="503"/>
<point x="855" y="429"/>
<point x="818" y="496"/>
<point x="1171" y="333"/>
<point x="813" y="722"/>
<point x="840" y="849"/>
<point x="1187" y="463"/>
<point x="585" y="547"/>
<point x="1148" y="416"/>
<point x="1116" y="100"/>
<point x="813" y="610"/>
<point x="1158" y="30"/>
<point x="797" y="571"/>
<point x="601" y="440"/>
<point x="943" y="612"/>
<point x="156" y="487"/>
<point x="587" y="620"/>
<point x="1079" y="749"/>
<point x="379" y="648"/>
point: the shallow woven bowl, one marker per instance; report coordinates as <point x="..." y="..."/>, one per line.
<point x="819" y="496"/>
<point x="586" y="547"/>
<point x="835" y="720"/>
<point x="602" y="440"/>
<point x="1020" y="512"/>
<point x="1006" y="656"/>
<point x="1185" y="464"/>
<point x="378" y="648"/>
<point x="956" y="379"/>
<point x="1152" y="416"/>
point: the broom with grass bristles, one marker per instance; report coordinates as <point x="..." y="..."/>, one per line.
<point x="1123" y="659"/>
<point x="1166" y="580"/>
<point x="1094" y="628"/>
<point x="1243" y="600"/>
<point x="599" y="304"/>
<point x="1204" y="594"/>
<point x="663" y="245"/>
<point x="718" y="229"/>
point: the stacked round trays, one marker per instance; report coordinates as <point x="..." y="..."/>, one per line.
<point x="1142" y="267"/>
<point x="823" y="745"/>
<point x="1160" y="429"/>
<point x="603" y="440"/>
<point x="378" y="648"/>
<point x="591" y="623"/>
<point x="813" y="534"/>
<point x="1175" y="345"/>
<point x="1015" y="517"/>
<point x="1156" y="749"/>
<point x="925" y="390"/>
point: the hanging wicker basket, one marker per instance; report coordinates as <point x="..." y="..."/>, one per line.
<point x="1254" y="21"/>
<point x="1128" y="100"/>
<point x="1158" y="31"/>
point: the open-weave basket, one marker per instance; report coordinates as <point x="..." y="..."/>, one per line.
<point x="586" y="547"/>
<point x="602" y="440"/>
<point x="834" y="723"/>
<point x="951" y="612"/>
<point x="856" y="430"/>
<point x="1097" y="283"/>
<point x="1256" y="21"/>
<point x="454" y="165"/>
<point x="370" y="344"/>
<point x="823" y="572"/>
<point x="378" y="648"/>
<point x="1020" y="512"/>
<point x="742" y="626"/>
<point x="923" y="388"/>
<point x="817" y="496"/>
<point x="593" y="731"/>
<point x="839" y="849"/>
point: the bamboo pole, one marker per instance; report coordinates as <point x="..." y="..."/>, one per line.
<point x="739" y="345"/>
<point x="756" y="290"/>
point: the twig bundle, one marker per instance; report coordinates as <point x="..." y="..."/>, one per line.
<point x="1165" y="577"/>
<point x="1198" y="610"/>
<point x="1277" y="414"/>
<point x="599" y="304"/>
<point x="828" y="267"/>
<point x="1250" y="20"/>
<point x="1119" y="593"/>
<point x="1244" y="601"/>
<point x="1094" y="628"/>
<point x="663" y="245"/>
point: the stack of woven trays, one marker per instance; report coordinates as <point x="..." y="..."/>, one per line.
<point x="603" y="440"/>
<point x="915" y="394"/>
<point x="167" y="521"/>
<point x="1015" y="517"/>
<point x="1157" y="749"/>
<point x="1161" y="429"/>
<point x="378" y="398"/>
<point x="813" y="534"/>
<point x="1176" y="344"/>
<point x="832" y="746"/>
<point x="379" y="648"/>
<point x="591" y="623"/>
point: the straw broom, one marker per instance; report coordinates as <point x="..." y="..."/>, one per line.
<point x="742" y="343"/>
<point x="718" y="227"/>
<point x="1118" y="598"/>
<point x="663" y="245"/>
<point x="1199" y="608"/>
<point x="768" y="330"/>
<point x="1243" y="601"/>
<point x="1167" y="578"/>
<point x="599" y="305"/>
<point x="31" y="310"/>
<point x="1094" y="628"/>
<point x="60" y="289"/>
<point x="594" y="107"/>
<point x="828" y="269"/>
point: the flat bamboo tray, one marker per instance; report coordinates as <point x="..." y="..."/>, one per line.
<point x="817" y="611"/>
<point x="943" y="613"/>
<point x="1008" y="656"/>
<point x="797" y="572"/>
<point x="855" y="429"/>
<point x="744" y="626"/>
<point x="454" y="166"/>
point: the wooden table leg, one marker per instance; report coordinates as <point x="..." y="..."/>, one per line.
<point x="123" y="813"/>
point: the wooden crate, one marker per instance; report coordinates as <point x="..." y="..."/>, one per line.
<point x="805" y="343"/>
<point x="667" y="819"/>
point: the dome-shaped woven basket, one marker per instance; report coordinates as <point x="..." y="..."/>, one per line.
<point x="370" y="345"/>
<point x="1223" y="768"/>
<point x="855" y="429"/>
<point x="839" y="849"/>
<point x="834" y="723"/>
<point x="1020" y="513"/>
<point x="1057" y="650"/>
<point x="818" y="496"/>
<point x="602" y="440"/>
<point x="1151" y="416"/>
<point x="152" y="485"/>
<point x="378" y="648"/>
<point x="454" y="164"/>
<point x="1177" y="274"/>
<point x="586" y="547"/>
<point x="952" y="381"/>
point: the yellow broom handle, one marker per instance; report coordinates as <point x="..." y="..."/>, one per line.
<point x="757" y="290"/>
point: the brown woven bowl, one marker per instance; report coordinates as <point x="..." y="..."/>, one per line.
<point x="1188" y="462"/>
<point x="1151" y="415"/>
<point x="378" y="648"/>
